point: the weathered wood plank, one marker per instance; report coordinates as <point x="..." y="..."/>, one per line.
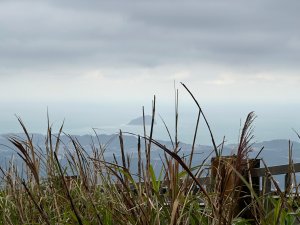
<point x="275" y="170"/>
<point x="256" y="172"/>
<point x="267" y="185"/>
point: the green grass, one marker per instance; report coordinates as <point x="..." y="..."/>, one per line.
<point x="109" y="193"/>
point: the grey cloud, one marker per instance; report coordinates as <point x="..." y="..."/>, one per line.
<point x="77" y="34"/>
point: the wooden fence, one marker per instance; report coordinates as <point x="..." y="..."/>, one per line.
<point x="285" y="170"/>
<point x="256" y="174"/>
<point x="266" y="173"/>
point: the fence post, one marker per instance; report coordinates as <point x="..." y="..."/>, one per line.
<point x="222" y="172"/>
<point x="287" y="181"/>
<point x="267" y="184"/>
<point x="255" y="163"/>
<point x="247" y="198"/>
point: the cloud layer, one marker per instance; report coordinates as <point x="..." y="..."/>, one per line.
<point x="218" y="45"/>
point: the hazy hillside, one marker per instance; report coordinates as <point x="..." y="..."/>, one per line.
<point x="275" y="151"/>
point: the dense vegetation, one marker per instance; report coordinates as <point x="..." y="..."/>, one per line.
<point x="92" y="190"/>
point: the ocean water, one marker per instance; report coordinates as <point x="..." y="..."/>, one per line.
<point x="274" y="120"/>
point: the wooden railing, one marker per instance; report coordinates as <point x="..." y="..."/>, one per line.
<point x="286" y="170"/>
<point x="266" y="173"/>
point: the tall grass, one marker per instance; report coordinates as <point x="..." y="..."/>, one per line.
<point x="90" y="189"/>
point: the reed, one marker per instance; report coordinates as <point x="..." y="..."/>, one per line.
<point x="90" y="189"/>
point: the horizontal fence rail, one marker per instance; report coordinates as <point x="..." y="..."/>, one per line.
<point x="263" y="172"/>
<point x="276" y="170"/>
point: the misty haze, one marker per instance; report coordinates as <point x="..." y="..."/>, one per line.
<point x="149" y="112"/>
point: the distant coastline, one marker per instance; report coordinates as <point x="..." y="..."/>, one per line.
<point x="140" y="121"/>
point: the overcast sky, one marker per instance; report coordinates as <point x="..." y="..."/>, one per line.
<point x="127" y="51"/>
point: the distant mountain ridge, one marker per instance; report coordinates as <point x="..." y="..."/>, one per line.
<point x="275" y="151"/>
